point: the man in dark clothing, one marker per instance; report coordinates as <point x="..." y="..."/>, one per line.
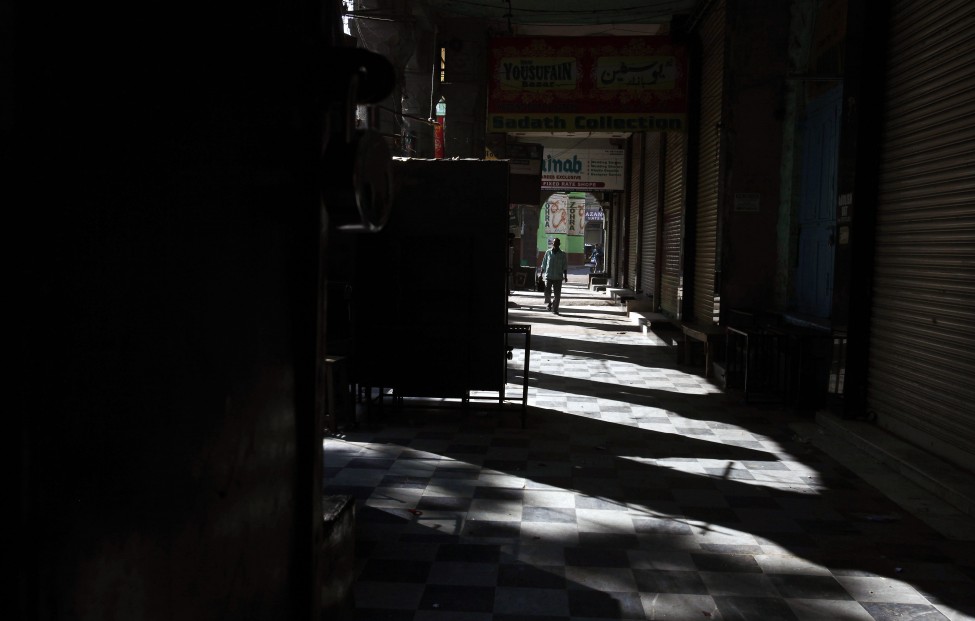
<point x="555" y="269"/>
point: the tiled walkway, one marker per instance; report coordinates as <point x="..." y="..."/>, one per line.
<point x="638" y="490"/>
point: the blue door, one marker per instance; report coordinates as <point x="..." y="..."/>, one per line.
<point x="817" y="207"/>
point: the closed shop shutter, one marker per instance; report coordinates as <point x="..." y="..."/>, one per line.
<point x="672" y="224"/>
<point x="612" y="251"/>
<point x="922" y="341"/>
<point x="706" y="223"/>
<point x="650" y="208"/>
<point x="633" y="219"/>
<point x="609" y="252"/>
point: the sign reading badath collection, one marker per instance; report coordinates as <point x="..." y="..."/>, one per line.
<point x="586" y="84"/>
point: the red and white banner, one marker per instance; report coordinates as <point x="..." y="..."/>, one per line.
<point x="586" y="84"/>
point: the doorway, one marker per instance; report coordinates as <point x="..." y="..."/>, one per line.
<point x="817" y="211"/>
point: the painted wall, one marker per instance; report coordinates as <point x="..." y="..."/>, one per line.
<point x="572" y="245"/>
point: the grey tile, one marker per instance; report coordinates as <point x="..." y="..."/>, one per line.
<point x="460" y="598"/>
<point x="491" y="529"/>
<point x="528" y="576"/>
<point x="726" y="563"/>
<point x="388" y="595"/>
<point x="596" y="557"/>
<point x="799" y="586"/>
<point x="752" y="608"/>
<point x="882" y="611"/>
<point x="531" y="602"/>
<point x="614" y="579"/>
<point x="598" y="604"/>
<point x="548" y="514"/>
<point x="679" y="607"/>
<point x="664" y="581"/>
<point x="395" y="570"/>
<point x="738" y="584"/>
<point x="661" y="526"/>
<point x="465" y="573"/>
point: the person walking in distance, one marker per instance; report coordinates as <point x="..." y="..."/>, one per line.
<point x="555" y="269"/>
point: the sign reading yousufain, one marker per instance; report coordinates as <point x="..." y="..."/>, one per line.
<point x="586" y="84"/>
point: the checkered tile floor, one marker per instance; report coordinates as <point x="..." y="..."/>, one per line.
<point x="638" y="490"/>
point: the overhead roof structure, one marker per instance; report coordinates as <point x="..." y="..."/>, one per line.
<point x="568" y="12"/>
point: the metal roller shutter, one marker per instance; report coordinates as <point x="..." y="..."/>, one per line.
<point x="922" y="341"/>
<point x="612" y="251"/>
<point x="612" y="243"/>
<point x="672" y="224"/>
<point x="709" y="142"/>
<point x="650" y="208"/>
<point x="633" y="221"/>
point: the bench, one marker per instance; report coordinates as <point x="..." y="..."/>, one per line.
<point x="711" y="335"/>
<point x="621" y="295"/>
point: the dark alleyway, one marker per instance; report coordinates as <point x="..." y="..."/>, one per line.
<point x="638" y="490"/>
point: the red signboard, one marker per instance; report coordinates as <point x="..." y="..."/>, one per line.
<point x="586" y="84"/>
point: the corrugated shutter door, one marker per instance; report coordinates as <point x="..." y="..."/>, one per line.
<point x="609" y="251"/>
<point x="650" y="207"/>
<point x="672" y="225"/>
<point x="612" y="249"/>
<point x="706" y="223"/>
<point x="922" y="341"/>
<point x="633" y="221"/>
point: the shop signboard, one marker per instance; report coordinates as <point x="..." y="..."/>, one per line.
<point x="586" y="84"/>
<point x="583" y="169"/>
<point x="565" y="215"/>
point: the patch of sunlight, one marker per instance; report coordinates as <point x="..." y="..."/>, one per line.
<point x="726" y="470"/>
<point x="632" y="375"/>
<point x="588" y="354"/>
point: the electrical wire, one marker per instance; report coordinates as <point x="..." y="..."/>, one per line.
<point x="658" y="8"/>
<point x="406" y="116"/>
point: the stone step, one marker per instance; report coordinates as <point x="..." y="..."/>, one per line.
<point x="621" y="295"/>
<point x="639" y="303"/>
<point x="650" y="319"/>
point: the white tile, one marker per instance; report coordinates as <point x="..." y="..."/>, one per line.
<point x="612" y="579"/>
<point x="879" y="589"/>
<point x="547" y="498"/>
<point x="679" y="607"/>
<point x="819" y="609"/>
<point x="785" y="564"/>
<point x="492" y="479"/>
<point x="598" y="521"/>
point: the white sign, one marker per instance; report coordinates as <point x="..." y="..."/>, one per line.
<point x="564" y="215"/>
<point x="583" y="169"/>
